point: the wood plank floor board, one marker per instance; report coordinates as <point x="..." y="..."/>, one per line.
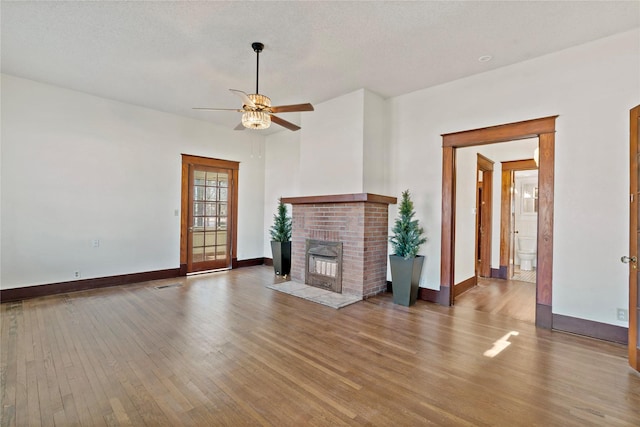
<point x="222" y="349"/>
<point x="9" y="364"/>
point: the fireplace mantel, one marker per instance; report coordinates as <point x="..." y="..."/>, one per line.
<point x="341" y="198"/>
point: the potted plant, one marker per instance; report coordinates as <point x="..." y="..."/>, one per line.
<point x="406" y="264"/>
<point x="281" y="241"/>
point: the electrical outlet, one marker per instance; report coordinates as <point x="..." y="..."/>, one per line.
<point x="95" y="243"/>
<point x="76" y="274"/>
<point x="622" y="314"/>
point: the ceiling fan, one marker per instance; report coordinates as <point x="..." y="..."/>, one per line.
<point x="257" y="112"/>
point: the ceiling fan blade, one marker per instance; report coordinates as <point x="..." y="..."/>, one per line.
<point x="245" y="98"/>
<point x="239" y="127"/>
<point x="218" y="109"/>
<point x="292" y="108"/>
<point x="284" y="123"/>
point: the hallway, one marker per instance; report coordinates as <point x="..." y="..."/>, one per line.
<point x="509" y="298"/>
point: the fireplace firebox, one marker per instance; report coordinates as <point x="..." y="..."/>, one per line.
<point x="324" y="264"/>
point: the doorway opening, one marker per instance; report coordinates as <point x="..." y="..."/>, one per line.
<point x="544" y="130"/>
<point x="524" y="226"/>
<point x="518" y="210"/>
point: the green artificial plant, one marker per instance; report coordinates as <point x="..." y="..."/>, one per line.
<point x="281" y="228"/>
<point x="407" y="234"/>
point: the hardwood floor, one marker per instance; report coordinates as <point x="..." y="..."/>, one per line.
<point x="222" y="349"/>
<point x="510" y="298"/>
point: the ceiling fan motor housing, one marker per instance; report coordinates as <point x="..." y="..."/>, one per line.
<point x="260" y="101"/>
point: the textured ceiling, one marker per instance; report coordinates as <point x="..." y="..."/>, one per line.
<point x="172" y="56"/>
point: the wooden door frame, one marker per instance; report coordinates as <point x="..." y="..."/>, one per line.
<point x="485" y="165"/>
<point x="634" y="303"/>
<point x="187" y="161"/>
<point x="544" y="129"/>
<point x="508" y="168"/>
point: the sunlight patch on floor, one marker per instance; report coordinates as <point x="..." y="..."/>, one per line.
<point x="500" y="345"/>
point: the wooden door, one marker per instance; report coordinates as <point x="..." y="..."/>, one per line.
<point x="209" y="240"/>
<point x="484" y="201"/>
<point x="209" y="214"/>
<point x="634" y="232"/>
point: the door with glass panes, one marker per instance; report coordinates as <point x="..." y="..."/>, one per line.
<point x="208" y="207"/>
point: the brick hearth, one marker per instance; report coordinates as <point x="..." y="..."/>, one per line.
<point x="360" y="222"/>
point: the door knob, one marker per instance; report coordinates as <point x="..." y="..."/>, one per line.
<point x="627" y="260"/>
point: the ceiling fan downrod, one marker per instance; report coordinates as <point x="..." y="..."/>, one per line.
<point x="257" y="48"/>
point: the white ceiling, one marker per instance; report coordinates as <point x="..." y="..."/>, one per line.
<point x="172" y="56"/>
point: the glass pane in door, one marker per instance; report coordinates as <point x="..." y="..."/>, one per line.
<point x="209" y="219"/>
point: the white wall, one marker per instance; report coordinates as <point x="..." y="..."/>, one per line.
<point x="281" y="175"/>
<point x="76" y="167"/>
<point x="375" y="145"/>
<point x="331" y="147"/>
<point x="342" y="148"/>
<point x="592" y="87"/>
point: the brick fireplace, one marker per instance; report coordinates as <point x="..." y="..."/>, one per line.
<point x="359" y="223"/>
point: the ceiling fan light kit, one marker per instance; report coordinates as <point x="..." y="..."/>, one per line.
<point x="255" y="116"/>
<point x="256" y="120"/>
<point x="257" y="112"/>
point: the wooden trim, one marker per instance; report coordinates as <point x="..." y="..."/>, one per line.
<point x="505" y="217"/>
<point x="544" y="266"/>
<point x="233" y="214"/>
<point x="445" y="296"/>
<point x="484" y="163"/>
<point x="211" y="162"/>
<point x="235" y="263"/>
<point x="519" y="165"/>
<point x="184" y="214"/>
<point x="486" y="166"/>
<point x="341" y="198"/>
<point x="447" y="247"/>
<point x="234" y="166"/>
<point x="28" y="292"/>
<point x="465" y="285"/>
<point x="544" y="129"/>
<point x="634" y="299"/>
<point x="477" y="254"/>
<point x="544" y="316"/>
<point x="499" y="273"/>
<point x="501" y="133"/>
<point x="589" y="328"/>
<point x="431" y="295"/>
